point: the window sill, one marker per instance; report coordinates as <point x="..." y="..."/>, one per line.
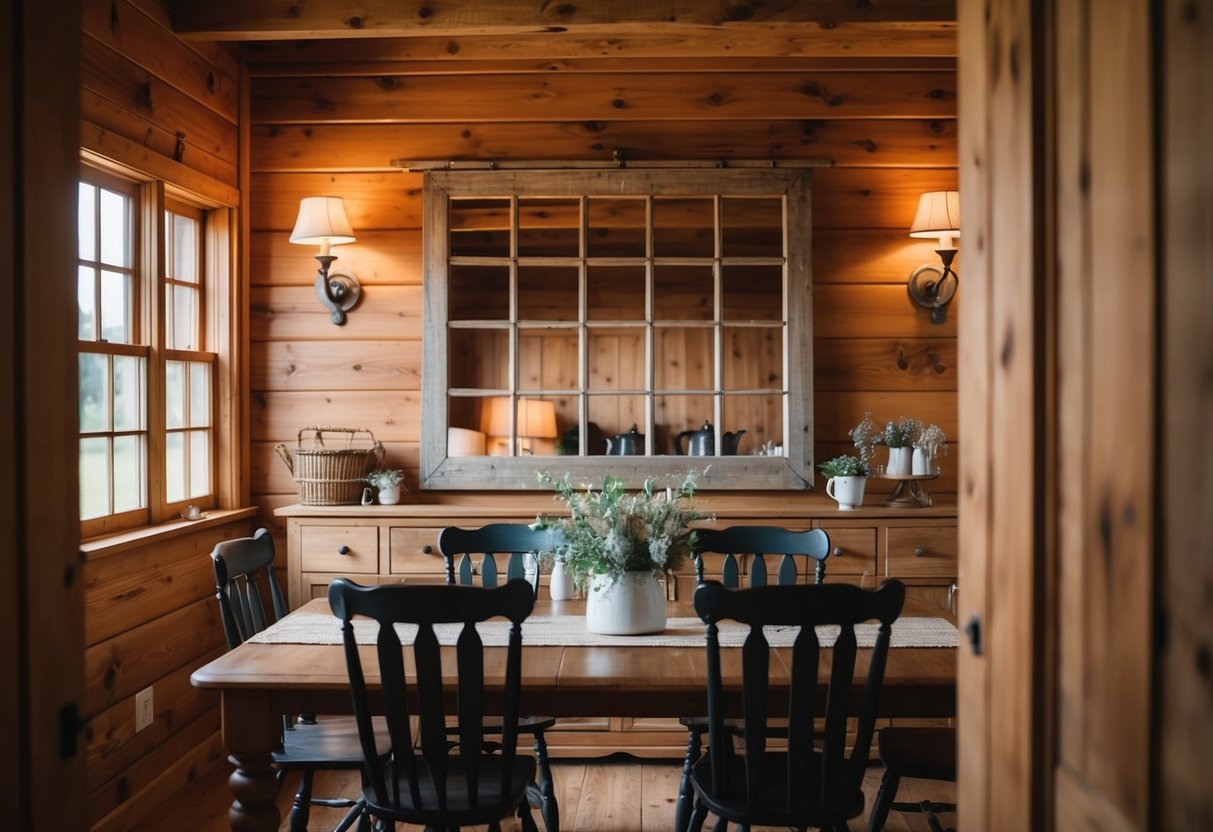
<point x="113" y="544"/>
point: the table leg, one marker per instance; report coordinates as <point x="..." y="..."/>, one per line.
<point x="254" y="786"/>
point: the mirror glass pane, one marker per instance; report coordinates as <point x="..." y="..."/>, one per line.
<point x="547" y="293"/>
<point x="611" y="421"/>
<point x="547" y="359"/>
<point x="680" y="422"/>
<point x="683" y="358"/>
<point x="479" y="293"/>
<point x="480" y="227"/>
<point x="761" y="417"/>
<point x="549" y="228"/>
<point x="751" y="227"/>
<point x="479" y="358"/>
<point x="684" y="227"/>
<point x="752" y="358"/>
<point x="683" y="293"/>
<point x="616" y="227"/>
<point x="752" y="293"/>
<point x="616" y="358"/>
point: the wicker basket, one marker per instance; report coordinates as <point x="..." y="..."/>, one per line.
<point x="331" y="476"/>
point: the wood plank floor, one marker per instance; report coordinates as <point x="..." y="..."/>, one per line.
<point x="624" y="795"/>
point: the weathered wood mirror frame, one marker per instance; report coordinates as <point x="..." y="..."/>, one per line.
<point x="790" y="184"/>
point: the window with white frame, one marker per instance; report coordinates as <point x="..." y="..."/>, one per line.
<point x="146" y="377"/>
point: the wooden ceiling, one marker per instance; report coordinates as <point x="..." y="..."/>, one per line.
<point x="316" y="31"/>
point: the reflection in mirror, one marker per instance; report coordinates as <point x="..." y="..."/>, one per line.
<point x="479" y="293"/>
<point x="614" y="417"/>
<point x="684" y="227"/>
<point x="683" y="292"/>
<point x="751" y="227"/>
<point x="616" y="227"/>
<point x="615" y="293"/>
<point x="755" y="358"/>
<point x="761" y="417"/>
<point x="617" y="358"/>
<point x="479" y="359"/>
<point x="752" y="292"/>
<point x="549" y="228"/>
<point x="677" y="418"/>
<point x="682" y="358"/>
<point x="480" y="228"/>
<point x="547" y="359"/>
<point x="547" y="293"/>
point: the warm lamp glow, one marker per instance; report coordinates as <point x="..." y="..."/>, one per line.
<point x="535" y="419"/>
<point x="322" y="222"/>
<point x="938" y="216"/>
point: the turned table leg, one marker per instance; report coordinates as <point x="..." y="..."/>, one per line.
<point x="254" y="786"/>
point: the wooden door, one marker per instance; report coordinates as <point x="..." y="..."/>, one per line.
<point x="1085" y="352"/>
<point x="41" y="605"/>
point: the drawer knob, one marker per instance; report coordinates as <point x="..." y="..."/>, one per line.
<point x="919" y="552"/>
<point x="837" y="551"/>
<point x="343" y="550"/>
<point x="427" y="549"/>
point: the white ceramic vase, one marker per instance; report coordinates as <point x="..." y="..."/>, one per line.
<point x="560" y="582"/>
<point x="389" y="495"/>
<point x="632" y="605"/>
<point x="922" y="462"/>
<point x="900" y="462"/>
<point x="848" y="491"/>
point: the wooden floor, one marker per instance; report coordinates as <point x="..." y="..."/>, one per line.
<point x="595" y="796"/>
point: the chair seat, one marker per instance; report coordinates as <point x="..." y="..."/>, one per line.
<point x="330" y="743"/>
<point x="771" y="807"/>
<point x="490" y="805"/>
<point x="928" y="753"/>
<point x="526" y="724"/>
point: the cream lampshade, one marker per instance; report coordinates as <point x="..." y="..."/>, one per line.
<point x="938" y="216"/>
<point x="534" y="419"/>
<point x="322" y="222"/>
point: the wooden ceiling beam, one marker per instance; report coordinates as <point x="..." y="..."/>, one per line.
<point x="270" y="19"/>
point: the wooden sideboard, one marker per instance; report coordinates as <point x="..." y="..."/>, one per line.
<point x="379" y="544"/>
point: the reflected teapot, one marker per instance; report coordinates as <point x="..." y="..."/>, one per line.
<point x="625" y="444"/>
<point x="702" y="442"/>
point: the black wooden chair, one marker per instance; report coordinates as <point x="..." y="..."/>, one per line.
<point x="435" y="783"/>
<point x="755" y="543"/>
<point x="925" y="753"/>
<point x="244" y="574"/>
<point x="804" y="786"/>
<point x="518" y="542"/>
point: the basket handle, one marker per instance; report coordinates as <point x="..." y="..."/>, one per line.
<point x="320" y="430"/>
<point x="286" y="457"/>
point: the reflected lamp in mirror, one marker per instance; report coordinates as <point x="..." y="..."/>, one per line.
<point x="322" y="222"/>
<point x="930" y="286"/>
<point x="534" y="419"/>
<point x="464" y="442"/>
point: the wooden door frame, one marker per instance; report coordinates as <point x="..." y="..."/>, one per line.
<point x="41" y="597"/>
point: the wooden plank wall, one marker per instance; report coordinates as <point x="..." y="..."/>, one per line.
<point x="168" y="109"/>
<point x="329" y="118"/>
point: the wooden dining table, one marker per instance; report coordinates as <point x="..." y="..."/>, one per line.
<point x="258" y="683"/>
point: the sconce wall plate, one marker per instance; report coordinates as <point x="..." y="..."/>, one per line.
<point x="933" y="288"/>
<point x="339" y="290"/>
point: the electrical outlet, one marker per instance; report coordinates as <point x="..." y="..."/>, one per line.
<point x="144" y="713"/>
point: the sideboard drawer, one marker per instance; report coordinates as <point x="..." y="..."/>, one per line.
<point x="414" y="550"/>
<point x="343" y="550"/>
<point x="852" y="551"/>
<point x="926" y="551"/>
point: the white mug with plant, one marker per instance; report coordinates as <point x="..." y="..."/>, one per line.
<point x="846" y="478"/>
<point x="388" y="482"/>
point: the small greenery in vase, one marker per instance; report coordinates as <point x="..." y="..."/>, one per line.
<point x="902" y="433"/>
<point x="610" y="532"/>
<point x="843" y="466"/>
<point x="385" y="478"/>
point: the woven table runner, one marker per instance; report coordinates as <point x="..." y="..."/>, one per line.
<point x="570" y="631"/>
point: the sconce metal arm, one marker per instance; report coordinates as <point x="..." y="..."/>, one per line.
<point x="338" y="291"/>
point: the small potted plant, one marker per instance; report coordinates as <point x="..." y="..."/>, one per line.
<point x="388" y="482"/>
<point x="900" y="437"/>
<point x="846" y="477"/>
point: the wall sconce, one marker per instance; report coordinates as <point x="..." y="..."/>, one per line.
<point x="931" y="287"/>
<point x="534" y="419"/>
<point x="322" y="221"/>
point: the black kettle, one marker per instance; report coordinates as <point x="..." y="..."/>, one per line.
<point x="625" y="444"/>
<point x="702" y="442"/>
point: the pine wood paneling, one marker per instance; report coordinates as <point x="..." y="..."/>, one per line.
<point x="118" y="667"/>
<point x="884" y="364"/>
<point x="836" y="413"/>
<point x="113" y="744"/>
<point x="841" y="40"/>
<point x="372" y="200"/>
<point x="857" y="311"/>
<point x="395" y="416"/>
<point x="378" y="257"/>
<point x="293" y="312"/>
<point x="843" y="255"/>
<point x="128" y="31"/>
<point x="109" y="74"/>
<point x="340" y="365"/>
<point x="858" y="198"/>
<point x="855" y="142"/>
<point x="586" y="97"/>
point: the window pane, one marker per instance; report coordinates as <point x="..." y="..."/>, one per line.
<point x="752" y="293"/>
<point x="761" y="417"/>
<point x="117" y="308"/>
<point x="547" y="293"/>
<point x="683" y="293"/>
<point x="612" y="418"/>
<point x="86" y="303"/>
<point x="685" y="415"/>
<point x="128" y="392"/>
<point x="86" y="220"/>
<point x="183" y="319"/>
<point x="94" y="392"/>
<point x="174" y="467"/>
<point x="684" y="227"/>
<point x="683" y="358"/>
<point x="616" y="359"/>
<point x="174" y="394"/>
<point x="94" y="478"/>
<point x="185" y="249"/>
<point x="615" y="293"/>
<point x="200" y="394"/>
<point x="480" y="227"/>
<point x="479" y="359"/>
<point x="616" y="228"/>
<point x="479" y="293"/>
<point x="128" y="473"/>
<point x="751" y="227"/>
<point x="547" y="359"/>
<point x="115" y="229"/>
<point x="752" y="358"/>
<point x="549" y="227"/>
<point x="200" y="463"/>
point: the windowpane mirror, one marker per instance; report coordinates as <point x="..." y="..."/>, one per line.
<point x="617" y="320"/>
